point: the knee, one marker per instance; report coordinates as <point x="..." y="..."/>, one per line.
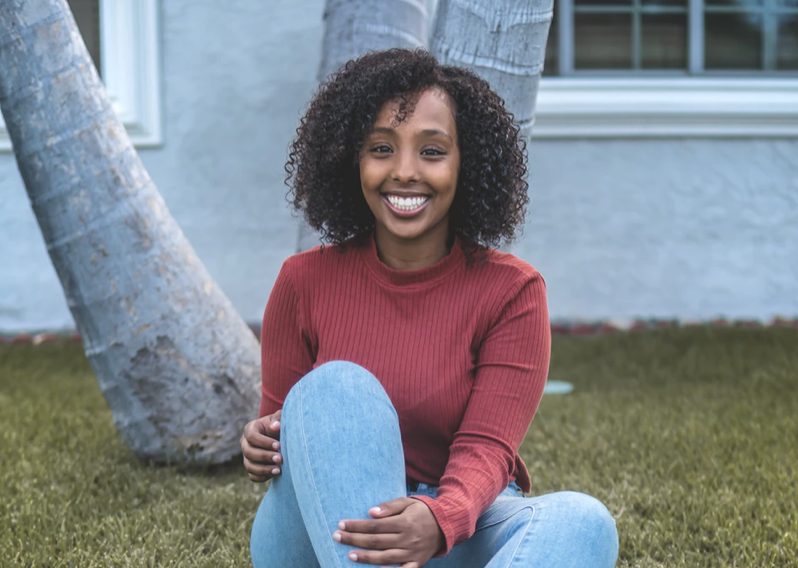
<point x="338" y="383"/>
<point x="592" y="524"/>
<point x="338" y="375"/>
<point x="340" y="371"/>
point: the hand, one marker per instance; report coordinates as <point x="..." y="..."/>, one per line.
<point x="403" y="531"/>
<point x="260" y="445"/>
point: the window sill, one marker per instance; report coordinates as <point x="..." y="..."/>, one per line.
<point x="661" y="108"/>
<point x="129" y="55"/>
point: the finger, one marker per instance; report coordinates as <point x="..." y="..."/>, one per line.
<point x="411" y="565"/>
<point x="273" y="424"/>
<point x="274" y="429"/>
<point x="381" y="557"/>
<point x="262" y="442"/>
<point x="258" y="456"/>
<point x="261" y="478"/>
<point x="266" y="471"/>
<point x="383" y="541"/>
<point x="262" y="432"/>
<point x="368" y="526"/>
<point x="393" y="507"/>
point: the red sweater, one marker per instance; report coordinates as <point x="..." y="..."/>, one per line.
<point x="462" y="351"/>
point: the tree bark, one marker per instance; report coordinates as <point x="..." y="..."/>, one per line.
<point x="503" y="41"/>
<point x="353" y="27"/>
<point x="177" y="365"/>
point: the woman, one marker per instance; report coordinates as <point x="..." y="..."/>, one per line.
<point x="403" y="364"/>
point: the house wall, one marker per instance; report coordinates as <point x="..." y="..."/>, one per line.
<point x="689" y="229"/>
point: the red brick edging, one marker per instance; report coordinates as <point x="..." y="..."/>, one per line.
<point x="557" y="328"/>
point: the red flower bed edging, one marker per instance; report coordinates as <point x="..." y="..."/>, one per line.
<point x="575" y="328"/>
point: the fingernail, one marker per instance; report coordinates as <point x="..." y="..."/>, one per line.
<point x="353" y="556"/>
<point x="276" y="471"/>
<point x="375" y="510"/>
<point x="342" y="525"/>
<point x="276" y="424"/>
<point x="337" y="536"/>
<point x="276" y="446"/>
<point x="278" y="458"/>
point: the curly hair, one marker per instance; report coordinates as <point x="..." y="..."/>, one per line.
<point x="322" y="170"/>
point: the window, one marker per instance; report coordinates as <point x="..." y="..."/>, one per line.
<point x="671" y="67"/>
<point x="122" y="38"/>
<point x="87" y="16"/>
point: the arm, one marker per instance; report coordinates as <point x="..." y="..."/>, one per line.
<point x="286" y="354"/>
<point x="511" y="370"/>
<point x="285" y="358"/>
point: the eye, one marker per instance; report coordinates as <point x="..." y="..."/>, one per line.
<point x="432" y="152"/>
<point x="380" y="149"/>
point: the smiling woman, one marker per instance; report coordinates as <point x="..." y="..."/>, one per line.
<point x="323" y="164"/>
<point x="402" y="368"/>
<point x="408" y="173"/>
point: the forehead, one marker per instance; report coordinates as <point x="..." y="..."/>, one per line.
<point x="431" y="107"/>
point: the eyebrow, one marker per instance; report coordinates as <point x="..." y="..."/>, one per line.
<point x="425" y="132"/>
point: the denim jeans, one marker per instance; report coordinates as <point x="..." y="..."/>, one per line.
<point x="342" y="455"/>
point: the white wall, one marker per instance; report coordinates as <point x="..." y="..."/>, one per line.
<point x="688" y="229"/>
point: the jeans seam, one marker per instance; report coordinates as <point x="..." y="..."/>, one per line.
<point x="310" y="470"/>
<point x="526" y="531"/>
<point x="501" y="518"/>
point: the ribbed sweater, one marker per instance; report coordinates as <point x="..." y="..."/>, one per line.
<point x="462" y="351"/>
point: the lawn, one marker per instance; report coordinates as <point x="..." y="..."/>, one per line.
<point x="690" y="436"/>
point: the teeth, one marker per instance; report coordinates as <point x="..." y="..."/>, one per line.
<point x="407" y="203"/>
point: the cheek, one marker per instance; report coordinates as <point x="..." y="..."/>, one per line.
<point x="370" y="176"/>
<point x="445" y="179"/>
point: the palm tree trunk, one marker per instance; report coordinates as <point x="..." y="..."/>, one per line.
<point x="353" y="27"/>
<point x="503" y="41"/>
<point x="177" y="365"/>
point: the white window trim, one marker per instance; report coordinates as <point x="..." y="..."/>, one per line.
<point x="130" y="68"/>
<point x="659" y="108"/>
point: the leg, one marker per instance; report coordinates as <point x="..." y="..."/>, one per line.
<point x="564" y="529"/>
<point x="278" y="535"/>
<point x="341" y="443"/>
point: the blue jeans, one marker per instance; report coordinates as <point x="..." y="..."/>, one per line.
<point x="343" y="454"/>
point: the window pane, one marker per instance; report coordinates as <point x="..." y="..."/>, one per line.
<point x="602" y="41"/>
<point x="787" y="49"/>
<point x="742" y="4"/>
<point x="733" y="41"/>
<point x="593" y="3"/>
<point x="552" y="61"/>
<point x="668" y="3"/>
<point x="664" y="41"/>
<point x="87" y="16"/>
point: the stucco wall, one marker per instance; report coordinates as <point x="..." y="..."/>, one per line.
<point x="690" y="229"/>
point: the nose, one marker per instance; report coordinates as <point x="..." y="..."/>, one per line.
<point x="405" y="168"/>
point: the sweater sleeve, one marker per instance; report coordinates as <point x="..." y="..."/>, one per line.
<point x="286" y="353"/>
<point x="511" y="370"/>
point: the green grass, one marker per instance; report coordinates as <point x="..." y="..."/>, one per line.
<point x="690" y="436"/>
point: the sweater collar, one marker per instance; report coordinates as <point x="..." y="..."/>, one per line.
<point x="417" y="276"/>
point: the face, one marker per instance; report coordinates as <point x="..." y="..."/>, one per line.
<point x="408" y="172"/>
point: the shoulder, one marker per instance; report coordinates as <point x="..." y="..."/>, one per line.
<point x="320" y="261"/>
<point x="504" y="267"/>
<point x="505" y="282"/>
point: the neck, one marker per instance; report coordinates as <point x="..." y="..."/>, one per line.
<point x="410" y="254"/>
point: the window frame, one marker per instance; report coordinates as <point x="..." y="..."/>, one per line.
<point x="130" y="67"/>
<point x="679" y="105"/>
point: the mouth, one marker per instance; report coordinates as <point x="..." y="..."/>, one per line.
<point x="406" y="206"/>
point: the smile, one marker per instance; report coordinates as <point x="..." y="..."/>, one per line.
<point x="406" y="206"/>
